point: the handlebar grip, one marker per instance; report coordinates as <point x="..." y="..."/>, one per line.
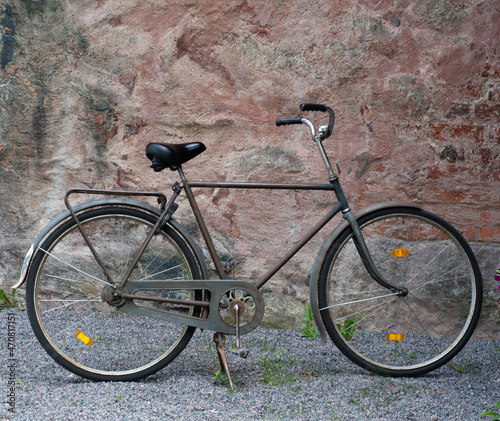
<point x="313" y="107"/>
<point x="285" y="121"/>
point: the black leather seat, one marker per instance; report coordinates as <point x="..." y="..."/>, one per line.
<point x="170" y="155"/>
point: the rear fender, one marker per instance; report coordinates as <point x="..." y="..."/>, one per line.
<point x="102" y="203"/>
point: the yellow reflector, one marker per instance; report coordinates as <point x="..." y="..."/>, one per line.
<point x="399" y="252"/>
<point x="85" y="339"/>
<point x="395" y="337"/>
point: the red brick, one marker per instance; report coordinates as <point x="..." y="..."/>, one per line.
<point x="489" y="234"/>
<point x="485" y="217"/>
<point x="468" y="232"/>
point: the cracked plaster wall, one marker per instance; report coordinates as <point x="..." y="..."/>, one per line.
<point x="84" y="86"/>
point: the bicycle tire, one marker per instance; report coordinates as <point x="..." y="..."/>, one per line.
<point x="401" y="335"/>
<point x="64" y="290"/>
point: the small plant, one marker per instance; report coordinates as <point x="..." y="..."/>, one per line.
<point x="494" y="415"/>
<point x="308" y="331"/>
<point x="219" y="374"/>
<point x="357" y="402"/>
<point x="495" y="344"/>
<point x="348" y="328"/>
<point x="333" y="414"/>
<point x="272" y="368"/>
<point x="271" y="363"/>
<point x="6" y="302"/>
<point x="464" y="367"/>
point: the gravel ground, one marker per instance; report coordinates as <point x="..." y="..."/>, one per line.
<point x="304" y="381"/>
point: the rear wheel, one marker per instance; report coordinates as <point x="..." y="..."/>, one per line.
<point x="407" y="334"/>
<point x="77" y="326"/>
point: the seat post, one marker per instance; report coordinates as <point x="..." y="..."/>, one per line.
<point x="202" y="225"/>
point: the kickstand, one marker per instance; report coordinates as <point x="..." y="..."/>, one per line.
<point x="220" y="339"/>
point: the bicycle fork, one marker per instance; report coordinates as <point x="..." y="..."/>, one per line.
<point x="366" y="258"/>
<point x="360" y="243"/>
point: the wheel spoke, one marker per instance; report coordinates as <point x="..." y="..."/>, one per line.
<point x="359" y="301"/>
<point x="158" y="273"/>
<point x="436" y="280"/>
<point x="93" y="338"/>
<point x="419" y="329"/>
<point x="435" y="257"/>
<point x="73" y="267"/>
<point x="70" y="303"/>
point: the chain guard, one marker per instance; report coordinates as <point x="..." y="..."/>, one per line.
<point x="217" y="291"/>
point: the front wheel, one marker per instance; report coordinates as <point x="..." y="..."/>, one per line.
<point x="88" y="334"/>
<point x="414" y="332"/>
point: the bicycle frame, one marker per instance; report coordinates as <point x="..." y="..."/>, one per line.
<point x="341" y="206"/>
<point x="165" y="213"/>
<point x="335" y="187"/>
<point x="171" y="269"/>
<point x="168" y="210"/>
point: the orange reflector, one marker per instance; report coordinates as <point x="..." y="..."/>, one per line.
<point x="395" y="337"/>
<point x="85" y="339"/>
<point x="399" y="252"/>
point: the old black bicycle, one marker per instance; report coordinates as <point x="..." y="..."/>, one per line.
<point x="397" y="288"/>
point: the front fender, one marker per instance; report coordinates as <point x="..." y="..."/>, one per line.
<point x="110" y="202"/>
<point x="314" y="280"/>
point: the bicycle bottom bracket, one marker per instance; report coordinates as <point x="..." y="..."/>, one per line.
<point x="237" y="304"/>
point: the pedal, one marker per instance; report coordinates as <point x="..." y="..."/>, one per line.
<point x="241" y="352"/>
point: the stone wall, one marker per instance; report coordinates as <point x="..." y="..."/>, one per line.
<point x="86" y="85"/>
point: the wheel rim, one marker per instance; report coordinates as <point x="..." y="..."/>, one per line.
<point x="89" y="334"/>
<point x="410" y="332"/>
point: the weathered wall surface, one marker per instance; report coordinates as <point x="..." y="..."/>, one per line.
<point x="86" y="85"/>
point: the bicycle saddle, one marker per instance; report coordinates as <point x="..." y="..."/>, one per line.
<point x="163" y="155"/>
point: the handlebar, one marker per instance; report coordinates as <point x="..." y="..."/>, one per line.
<point x="313" y="107"/>
<point x="286" y="121"/>
<point x="323" y="132"/>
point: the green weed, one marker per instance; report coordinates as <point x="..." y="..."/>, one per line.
<point x="275" y="372"/>
<point x="272" y="369"/>
<point x="6" y="302"/>
<point x="495" y="343"/>
<point x="21" y="383"/>
<point x="464" y="367"/>
<point x="494" y="415"/>
<point x="221" y="375"/>
<point x="332" y="412"/>
<point x="357" y="402"/>
<point x="348" y="328"/>
<point x="308" y="331"/>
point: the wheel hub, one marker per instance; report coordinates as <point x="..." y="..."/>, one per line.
<point x="112" y="297"/>
<point x="404" y="292"/>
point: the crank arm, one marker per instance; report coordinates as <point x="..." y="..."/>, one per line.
<point x="216" y="289"/>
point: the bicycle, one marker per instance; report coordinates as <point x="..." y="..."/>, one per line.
<point x="397" y="288"/>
